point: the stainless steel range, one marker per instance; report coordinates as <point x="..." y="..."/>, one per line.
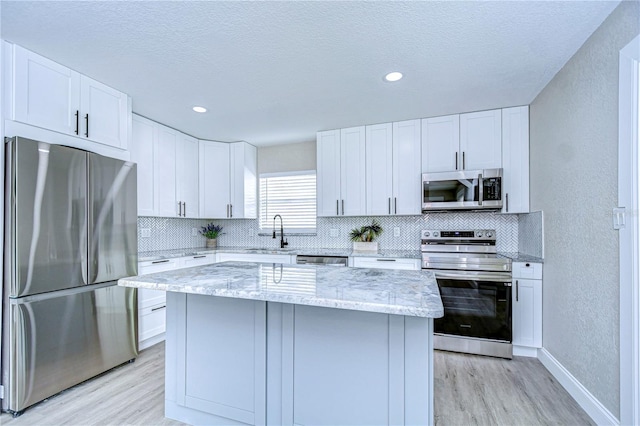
<point x="475" y="286"/>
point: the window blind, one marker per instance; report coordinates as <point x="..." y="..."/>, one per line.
<point x="291" y="195"/>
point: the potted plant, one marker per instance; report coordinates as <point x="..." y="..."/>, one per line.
<point x="211" y="232"/>
<point x="363" y="237"/>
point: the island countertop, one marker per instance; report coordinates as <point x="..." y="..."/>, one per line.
<point x="397" y="292"/>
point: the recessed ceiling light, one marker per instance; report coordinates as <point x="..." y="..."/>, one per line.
<point x="199" y="109"/>
<point x="393" y="76"/>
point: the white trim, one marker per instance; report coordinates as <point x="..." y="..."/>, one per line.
<point x="295" y="173"/>
<point x="589" y="403"/>
<point x="629" y="252"/>
<point x="147" y="343"/>
<point x="525" y="351"/>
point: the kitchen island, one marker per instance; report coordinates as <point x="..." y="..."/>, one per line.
<point x="264" y="343"/>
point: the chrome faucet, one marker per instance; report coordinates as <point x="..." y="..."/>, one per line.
<point x="283" y="242"/>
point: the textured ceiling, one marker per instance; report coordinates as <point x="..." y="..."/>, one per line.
<point x="277" y="72"/>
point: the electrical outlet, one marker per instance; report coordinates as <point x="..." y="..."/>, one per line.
<point x="194" y="232"/>
<point x="396" y="231"/>
<point x="145" y="232"/>
<point x="252" y="232"/>
<point x="333" y="232"/>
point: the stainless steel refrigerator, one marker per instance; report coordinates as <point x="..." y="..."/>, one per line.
<point x="70" y="233"/>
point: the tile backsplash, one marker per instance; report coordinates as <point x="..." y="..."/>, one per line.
<point x="174" y="233"/>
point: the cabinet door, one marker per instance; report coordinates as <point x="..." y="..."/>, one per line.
<point x="515" y="160"/>
<point x="165" y="176"/>
<point x="406" y="168"/>
<point x="144" y="133"/>
<point x="46" y="94"/>
<point x="379" y="170"/>
<point x="440" y="144"/>
<point x="527" y="312"/>
<point x="197" y="260"/>
<point x="214" y="179"/>
<point x="187" y="176"/>
<point x="352" y="172"/>
<point x="104" y="113"/>
<point x="328" y="173"/>
<point x="481" y="140"/>
<point x="243" y="181"/>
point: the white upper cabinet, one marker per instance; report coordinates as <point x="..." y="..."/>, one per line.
<point x="481" y="140"/>
<point x="165" y="176"/>
<point x="142" y="152"/>
<point x="46" y="94"/>
<point x="352" y="171"/>
<point x="243" y="159"/>
<point x="105" y="113"/>
<point x="515" y="160"/>
<point x="214" y="179"/>
<point x="379" y="165"/>
<point x="167" y="170"/>
<point x="440" y="144"/>
<point x="328" y="173"/>
<point x="462" y="142"/>
<point x="187" y="192"/>
<point x="53" y="97"/>
<point x="341" y="172"/>
<point x="406" y="168"/>
<point x="228" y="180"/>
<point x="393" y="168"/>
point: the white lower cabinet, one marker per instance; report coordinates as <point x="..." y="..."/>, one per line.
<point x="248" y="257"/>
<point x="526" y="295"/>
<point x="152" y="303"/>
<point x="385" y="263"/>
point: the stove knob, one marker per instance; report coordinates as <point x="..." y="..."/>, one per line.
<point x="479" y="235"/>
<point x="436" y="233"/>
<point x="427" y="234"/>
<point x="489" y="234"/>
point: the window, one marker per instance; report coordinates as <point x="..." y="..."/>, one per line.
<point x="291" y="195"/>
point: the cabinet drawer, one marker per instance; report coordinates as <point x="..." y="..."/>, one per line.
<point x="386" y="263"/>
<point x="244" y="257"/>
<point x="201" y="259"/>
<point x="152" y="266"/>
<point x="151" y="321"/>
<point x="147" y="298"/>
<point x="527" y="270"/>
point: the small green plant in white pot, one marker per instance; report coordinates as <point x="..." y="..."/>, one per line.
<point x="363" y="237"/>
<point x="211" y="232"/>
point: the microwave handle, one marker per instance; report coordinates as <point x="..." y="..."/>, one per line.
<point x="480" y="189"/>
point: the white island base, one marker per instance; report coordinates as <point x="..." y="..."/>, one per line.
<point x="239" y="361"/>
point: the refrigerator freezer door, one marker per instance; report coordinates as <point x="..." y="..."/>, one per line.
<point x="47" y="217"/>
<point x="113" y="215"/>
<point x="61" y="341"/>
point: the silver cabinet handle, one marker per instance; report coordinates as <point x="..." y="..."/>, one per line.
<point x="230" y="210"/>
<point x="86" y="117"/>
<point x="200" y="257"/>
<point x="342" y="207"/>
<point x="517" y="288"/>
<point x="158" y="308"/>
<point x="184" y="209"/>
<point x="77" y="122"/>
<point x="337" y="207"/>
<point x="385" y="260"/>
<point x="456" y="161"/>
<point x="463" y="165"/>
<point x="160" y="261"/>
<point x="179" y="208"/>
<point x="395" y="205"/>
<point x="507" y="197"/>
<point x="389" y="205"/>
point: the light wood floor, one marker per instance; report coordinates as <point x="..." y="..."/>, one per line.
<point x="469" y="390"/>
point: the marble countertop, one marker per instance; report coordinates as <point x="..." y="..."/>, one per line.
<point x="411" y="293"/>
<point x="521" y="257"/>
<point x="168" y="254"/>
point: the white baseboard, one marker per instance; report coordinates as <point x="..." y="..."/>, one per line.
<point x="525" y="351"/>
<point x="151" y="341"/>
<point x="589" y="403"/>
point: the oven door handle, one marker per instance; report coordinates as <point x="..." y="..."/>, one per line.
<point x="473" y="275"/>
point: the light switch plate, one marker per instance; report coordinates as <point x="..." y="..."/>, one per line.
<point x="194" y="232"/>
<point x="396" y="231"/>
<point x="252" y="232"/>
<point x="145" y="232"/>
<point x="333" y="232"/>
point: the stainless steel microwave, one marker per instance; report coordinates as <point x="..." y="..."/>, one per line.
<point x="462" y="190"/>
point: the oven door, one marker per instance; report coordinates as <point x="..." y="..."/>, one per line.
<point x="476" y="304"/>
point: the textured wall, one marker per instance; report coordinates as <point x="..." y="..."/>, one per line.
<point x="287" y="158"/>
<point x="573" y="128"/>
<point x="170" y="233"/>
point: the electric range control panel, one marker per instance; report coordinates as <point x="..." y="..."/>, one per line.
<point x="457" y="236"/>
